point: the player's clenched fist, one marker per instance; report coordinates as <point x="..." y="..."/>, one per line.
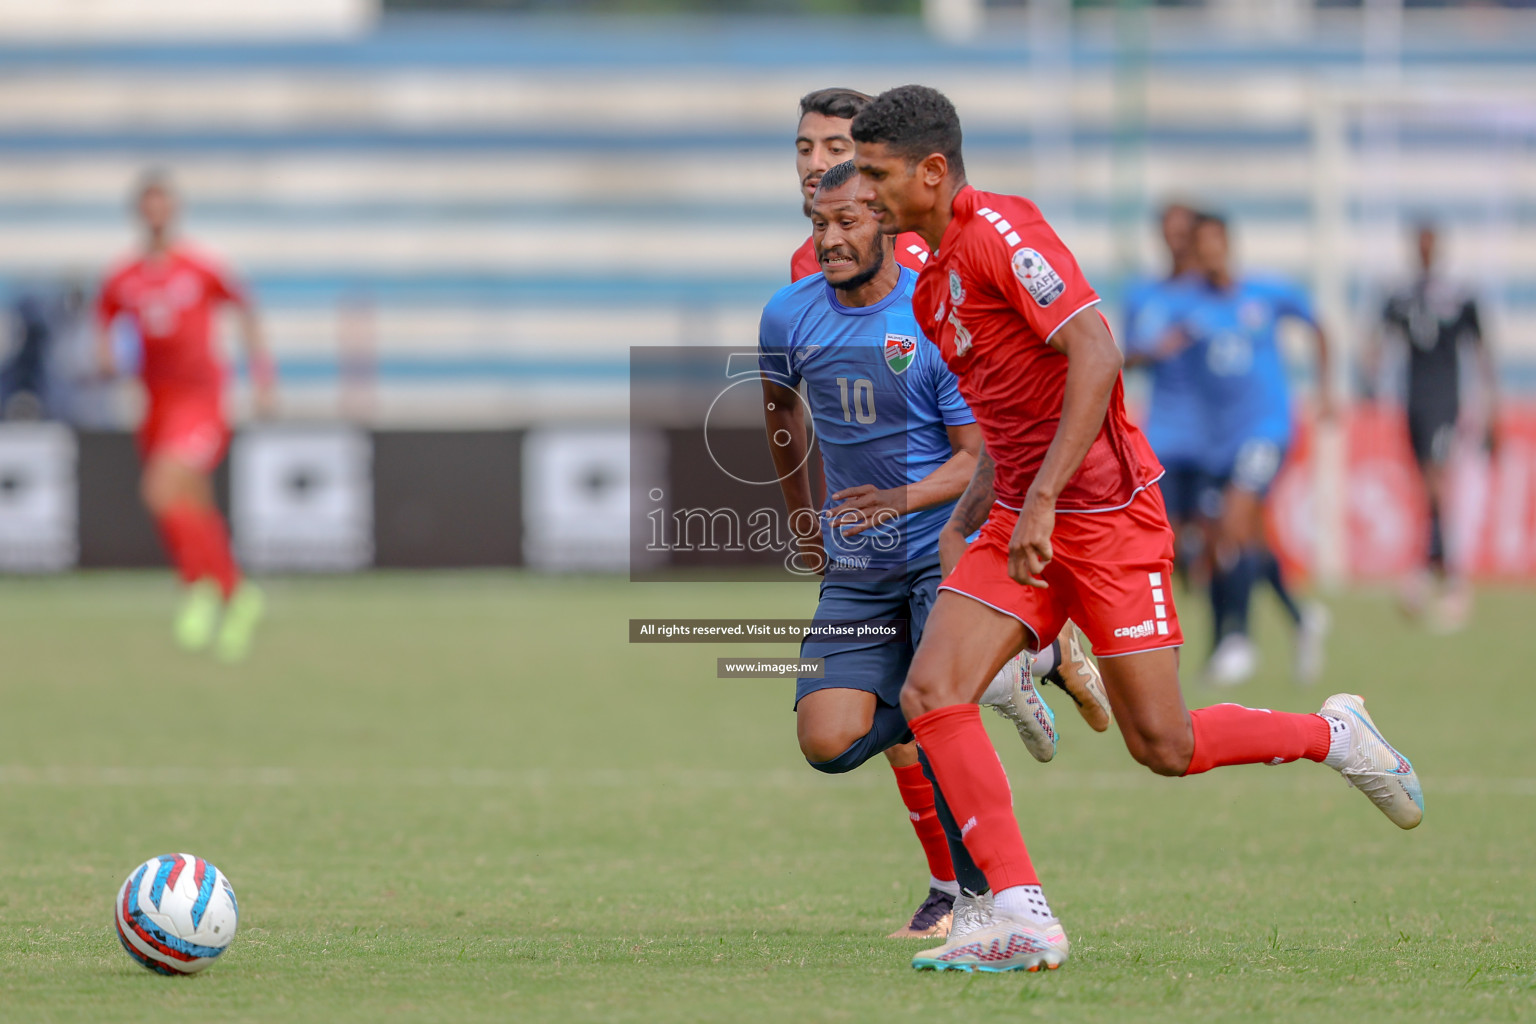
<point x="1029" y="549"/>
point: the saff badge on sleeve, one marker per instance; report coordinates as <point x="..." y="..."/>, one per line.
<point x="1038" y="277"/>
<point x="900" y="350"/>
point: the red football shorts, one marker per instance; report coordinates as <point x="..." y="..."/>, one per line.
<point x="189" y="429"/>
<point x="1110" y="572"/>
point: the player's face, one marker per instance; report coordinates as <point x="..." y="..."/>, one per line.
<point x="890" y="186"/>
<point x="157" y="209"/>
<point x="1211" y="248"/>
<point x="1178" y="231"/>
<point x="821" y="144"/>
<point x="1426" y="241"/>
<point x="849" y="244"/>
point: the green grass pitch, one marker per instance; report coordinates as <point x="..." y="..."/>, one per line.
<point x="466" y="798"/>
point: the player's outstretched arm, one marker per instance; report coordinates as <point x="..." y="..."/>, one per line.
<point x="1371" y="356"/>
<point x="784" y="420"/>
<point x="1093" y="366"/>
<point x="1488" y="373"/>
<point x="107" y="310"/>
<point x="106" y="359"/>
<point x="1168" y="344"/>
<point x="259" y="358"/>
<point x="1325" y="403"/>
<point x="866" y="505"/>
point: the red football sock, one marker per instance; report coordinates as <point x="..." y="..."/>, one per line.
<point x="1232" y="734"/>
<point x="220" y="558"/>
<point x="976" y="787"/>
<point x="181" y="532"/>
<point x="917" y="794"/>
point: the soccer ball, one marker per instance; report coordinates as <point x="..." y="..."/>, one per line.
<point x="175" y="914"/>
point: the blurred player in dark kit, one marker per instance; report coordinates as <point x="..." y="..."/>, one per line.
<point x="1437" y="328"/>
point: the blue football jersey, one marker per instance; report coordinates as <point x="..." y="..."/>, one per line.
<point x="1242" y="371"/>
<point x="880" y="398"/>
<point x="1177" y="425"/>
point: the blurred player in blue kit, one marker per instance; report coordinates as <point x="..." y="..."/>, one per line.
<point x="898" y="446"/>
<point x="1229" y="323"/>
<point x="1176" y="426"/>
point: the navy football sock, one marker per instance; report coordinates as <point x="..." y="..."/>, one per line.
<point x="1240" y="592"/>
<point x="1218" y="594"/>
<point x="1231" y="591"/>
<point x="1048" y="664"/>
<point x="969" y="876"/>
<point x="1436" y="552"/>
<point x="1269" y="571"/>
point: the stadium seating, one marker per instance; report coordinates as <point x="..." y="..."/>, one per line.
<point x="470" y="221"/>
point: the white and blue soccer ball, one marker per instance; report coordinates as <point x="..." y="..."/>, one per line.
<point x="175" y="914"/>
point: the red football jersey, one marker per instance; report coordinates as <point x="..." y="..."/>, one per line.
<point x="999" y="287"/>
<point x="911" y="251"/>
<point x="173" y="299"/>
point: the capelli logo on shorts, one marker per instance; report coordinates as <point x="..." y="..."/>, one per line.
<point x="1145" y="629"/>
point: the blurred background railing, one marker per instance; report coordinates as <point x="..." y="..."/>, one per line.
<point x="464" y="219"/>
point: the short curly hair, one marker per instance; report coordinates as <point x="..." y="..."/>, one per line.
<point x="914" y="121"/>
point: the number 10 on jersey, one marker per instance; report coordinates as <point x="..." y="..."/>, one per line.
<point x="863" y="408"/>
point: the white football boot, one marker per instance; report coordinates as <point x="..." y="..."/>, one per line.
<point x="1012" y="694"/>
<point x="1373" y="766"/>
<point x="1233" y="662"/>
<point x="1007" y="944"/>
<point x="971" y="914"/>
<point x="1454" y="609"/>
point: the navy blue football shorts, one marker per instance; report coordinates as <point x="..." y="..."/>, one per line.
<point x="1253" y="469"/>
<point x="877" y="666"/>
<point x="1182" y="484"/>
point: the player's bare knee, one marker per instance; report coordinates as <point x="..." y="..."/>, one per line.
<point x="155" y="492"/>
<point x="823" y="745"/>
<point x="920" y="694"/>
<point x="1165" y="756"/>
<point x="832" y="760"/>
<point x="818" y="750"/>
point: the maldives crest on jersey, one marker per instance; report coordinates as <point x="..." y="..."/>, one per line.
<point x="900" y="350"/>
<point x="1038" y="277"/>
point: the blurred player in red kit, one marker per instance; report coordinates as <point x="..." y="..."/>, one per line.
<point x="1072" y="524"/>
<point x="172" y="293"/>
<point x="822" y="142"/>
